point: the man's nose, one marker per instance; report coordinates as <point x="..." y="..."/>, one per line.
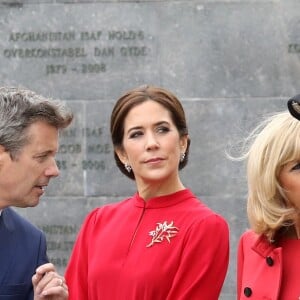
<point x="52" y="170"/>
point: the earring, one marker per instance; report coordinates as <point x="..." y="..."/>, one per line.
<point x="127" y="167"/>
<point x="182" y="156"/>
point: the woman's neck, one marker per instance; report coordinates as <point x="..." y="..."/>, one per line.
<point x="297" y="228"/>
<point x="151" y="190"/>
<point x="291" y="232"/>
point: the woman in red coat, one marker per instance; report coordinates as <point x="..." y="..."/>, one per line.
<point x="269" y="253"/>
<point x="162" y="243"/>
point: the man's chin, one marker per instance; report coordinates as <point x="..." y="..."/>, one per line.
<point x="35" y="203"/>
<point x="31" y="203"/>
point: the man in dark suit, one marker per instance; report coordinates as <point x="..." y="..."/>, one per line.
<point x="29" y="131"/>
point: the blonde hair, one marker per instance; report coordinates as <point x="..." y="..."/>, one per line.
<point x="271" y="145"/>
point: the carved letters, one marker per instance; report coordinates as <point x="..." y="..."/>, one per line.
<point x="94" y="50"/>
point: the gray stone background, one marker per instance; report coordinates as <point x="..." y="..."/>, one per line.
<point x="230" y="62"/>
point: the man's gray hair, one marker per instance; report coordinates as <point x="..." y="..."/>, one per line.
<point x="19" y="108"/>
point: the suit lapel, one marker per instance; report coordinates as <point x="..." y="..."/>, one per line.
<point x="7" y="242"/>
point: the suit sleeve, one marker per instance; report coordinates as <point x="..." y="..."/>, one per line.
<point x="204" y="261"/>
<point x="42" y="257"/>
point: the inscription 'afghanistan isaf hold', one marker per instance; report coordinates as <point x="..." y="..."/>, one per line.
<point x="68" y="36"/>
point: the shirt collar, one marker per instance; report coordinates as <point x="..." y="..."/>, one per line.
<point x="163" y="201"/>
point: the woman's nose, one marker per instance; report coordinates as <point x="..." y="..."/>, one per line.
<point x="151" y="142"/>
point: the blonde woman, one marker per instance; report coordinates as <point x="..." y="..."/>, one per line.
<point x="268" y="253"/>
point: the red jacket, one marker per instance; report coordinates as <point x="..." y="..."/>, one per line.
<point x="259" y="268"/>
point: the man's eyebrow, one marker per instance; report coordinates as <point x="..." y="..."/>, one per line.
<point x="46" y="152"/>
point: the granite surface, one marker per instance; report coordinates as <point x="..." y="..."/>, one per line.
<point x="230" y="62"/>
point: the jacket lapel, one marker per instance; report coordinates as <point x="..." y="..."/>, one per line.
<point x="7" y="244"/>
<point x="271" y="272"/>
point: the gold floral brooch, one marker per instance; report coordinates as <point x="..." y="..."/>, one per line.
<point x="163" y="231"/>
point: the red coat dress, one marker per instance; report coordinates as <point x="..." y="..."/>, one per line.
<point x="267" y="271"/>
<point x="168" y="248"/>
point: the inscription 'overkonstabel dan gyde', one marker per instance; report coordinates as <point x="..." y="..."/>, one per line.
<point x="100" y="44"/>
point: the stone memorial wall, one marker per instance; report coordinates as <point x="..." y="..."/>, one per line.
<point x="230" y="62"/>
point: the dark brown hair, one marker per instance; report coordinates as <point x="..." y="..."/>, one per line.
<point x="135" y="97"/>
